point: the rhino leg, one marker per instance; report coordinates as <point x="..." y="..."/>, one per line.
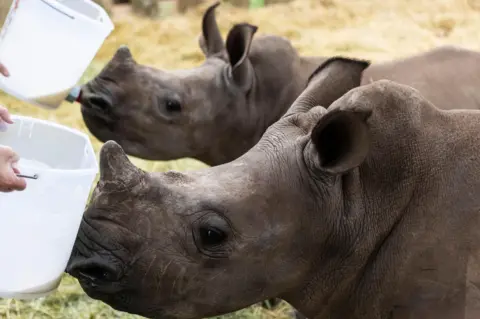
<point x="271" y="303"/>
<point x="297" y="315"/>
<point x="274" y="302"/>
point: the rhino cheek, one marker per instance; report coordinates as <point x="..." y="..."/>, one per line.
<point x="163" y="286"/>
<point x="167" y="143"/>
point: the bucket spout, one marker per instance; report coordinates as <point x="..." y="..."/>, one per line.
<point x="75" y="94"/>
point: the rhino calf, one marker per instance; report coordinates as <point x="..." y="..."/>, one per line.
<point x="366" y="210"/>
<point x="217" y="111"/>
<point x="214" y="112"/>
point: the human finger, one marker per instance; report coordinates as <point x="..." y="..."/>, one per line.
<point x="4" y="70"/>
<point x="5" y="115"/>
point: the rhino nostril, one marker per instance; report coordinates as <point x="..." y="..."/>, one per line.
<point x="93" y="271"/>
<point x="99" y="102"/>
<point x="95" y="101"/>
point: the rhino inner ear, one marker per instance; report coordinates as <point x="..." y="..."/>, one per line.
<point x="332" y="79"/>
<point x="341" y="141"/>
<point x="115" y="168"/>
<point x="202" y="44"/>
<point x="211" y="41"/>
<point x="239" y="41"/>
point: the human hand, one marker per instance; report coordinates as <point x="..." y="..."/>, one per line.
<point x="4" y="115"/>
<point x="4" y="119"/>
<point x="4" y="70"/>
<point x="8" y="172"/>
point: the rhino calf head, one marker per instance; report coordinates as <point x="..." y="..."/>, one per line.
<point x="192" y="245"/>
<point x="214" y="112"/>
<point x="174" y="245"/>
<point x="331" y="211"/>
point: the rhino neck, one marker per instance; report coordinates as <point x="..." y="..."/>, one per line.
<point x="412" y="228"/>
<point x="275" y="89"/>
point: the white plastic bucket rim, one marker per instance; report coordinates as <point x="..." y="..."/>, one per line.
<point x="58" y="5"/>
<point x="65" y="9"/>
<point x="103" y="22"/>
<point x="85" y="171"/>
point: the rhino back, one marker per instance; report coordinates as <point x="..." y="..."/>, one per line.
<point x="448" y="76"/>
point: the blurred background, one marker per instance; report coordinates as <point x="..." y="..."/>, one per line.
<point x="163" y="33"/>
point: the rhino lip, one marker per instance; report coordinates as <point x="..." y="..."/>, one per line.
<point x="97" y="122"/>
<point x="93" y="111"/>
<point x="97" y="101"/>
<point x="95" y="265"/>
<point x="93" y="271"/>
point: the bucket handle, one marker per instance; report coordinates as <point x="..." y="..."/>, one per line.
<point x="57" y="9"/>
<point x="35" y="176"/>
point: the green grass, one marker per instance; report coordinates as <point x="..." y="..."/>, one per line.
<point x="69" y="302"/>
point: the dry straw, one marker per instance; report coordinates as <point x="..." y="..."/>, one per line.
<point x="372" y="29"/>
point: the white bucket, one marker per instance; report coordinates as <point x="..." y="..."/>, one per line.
<point x="47" y="45"/>
<point x="38" y="226"/>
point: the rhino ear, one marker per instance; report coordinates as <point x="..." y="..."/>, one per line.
<point x="340" y="141"/>
<point x="210" y="41"/>
<point x="202" y="44"/>
<point x="239" y="41"/>
<point x="332" y="79"/>
<point x="116" y="170"/>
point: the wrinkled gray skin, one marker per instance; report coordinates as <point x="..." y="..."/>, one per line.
<point x="367" y="210"/>
<point x="447" y="76"/>
<point x="214" y="112"/>
<point x="219" y="110"/>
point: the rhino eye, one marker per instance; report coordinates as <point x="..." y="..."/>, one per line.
<point x="211" y="236"/>
<point x="173" y="106"/>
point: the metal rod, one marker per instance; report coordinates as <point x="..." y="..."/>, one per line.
<point x="28" y="176"/>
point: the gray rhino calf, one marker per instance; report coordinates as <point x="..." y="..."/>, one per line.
<point x="214" y="112"/>
<point x="219" y="110"/>
<point x="366" y="210"/>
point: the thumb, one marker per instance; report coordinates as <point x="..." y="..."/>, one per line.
<point x="4" y="115"/>
<point x="4" y="70"/>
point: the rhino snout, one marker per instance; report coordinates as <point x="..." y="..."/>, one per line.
<point x="95" y="101"/>
<point x="94" y="271"/>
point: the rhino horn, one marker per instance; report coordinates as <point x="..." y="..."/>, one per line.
<point x="115" y="167"/>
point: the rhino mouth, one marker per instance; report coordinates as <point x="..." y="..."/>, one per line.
<point x="102" y="279"/>
<point x="103" y="127"/>
<point x="97" y="113"/>
<point x="94" y="274"/>
<point x="97" y="107"/>
<point x="97" y="265"/>
<point x="100" y="116"/>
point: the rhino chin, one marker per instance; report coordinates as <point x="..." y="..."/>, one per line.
<point x="121" y="302"/>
